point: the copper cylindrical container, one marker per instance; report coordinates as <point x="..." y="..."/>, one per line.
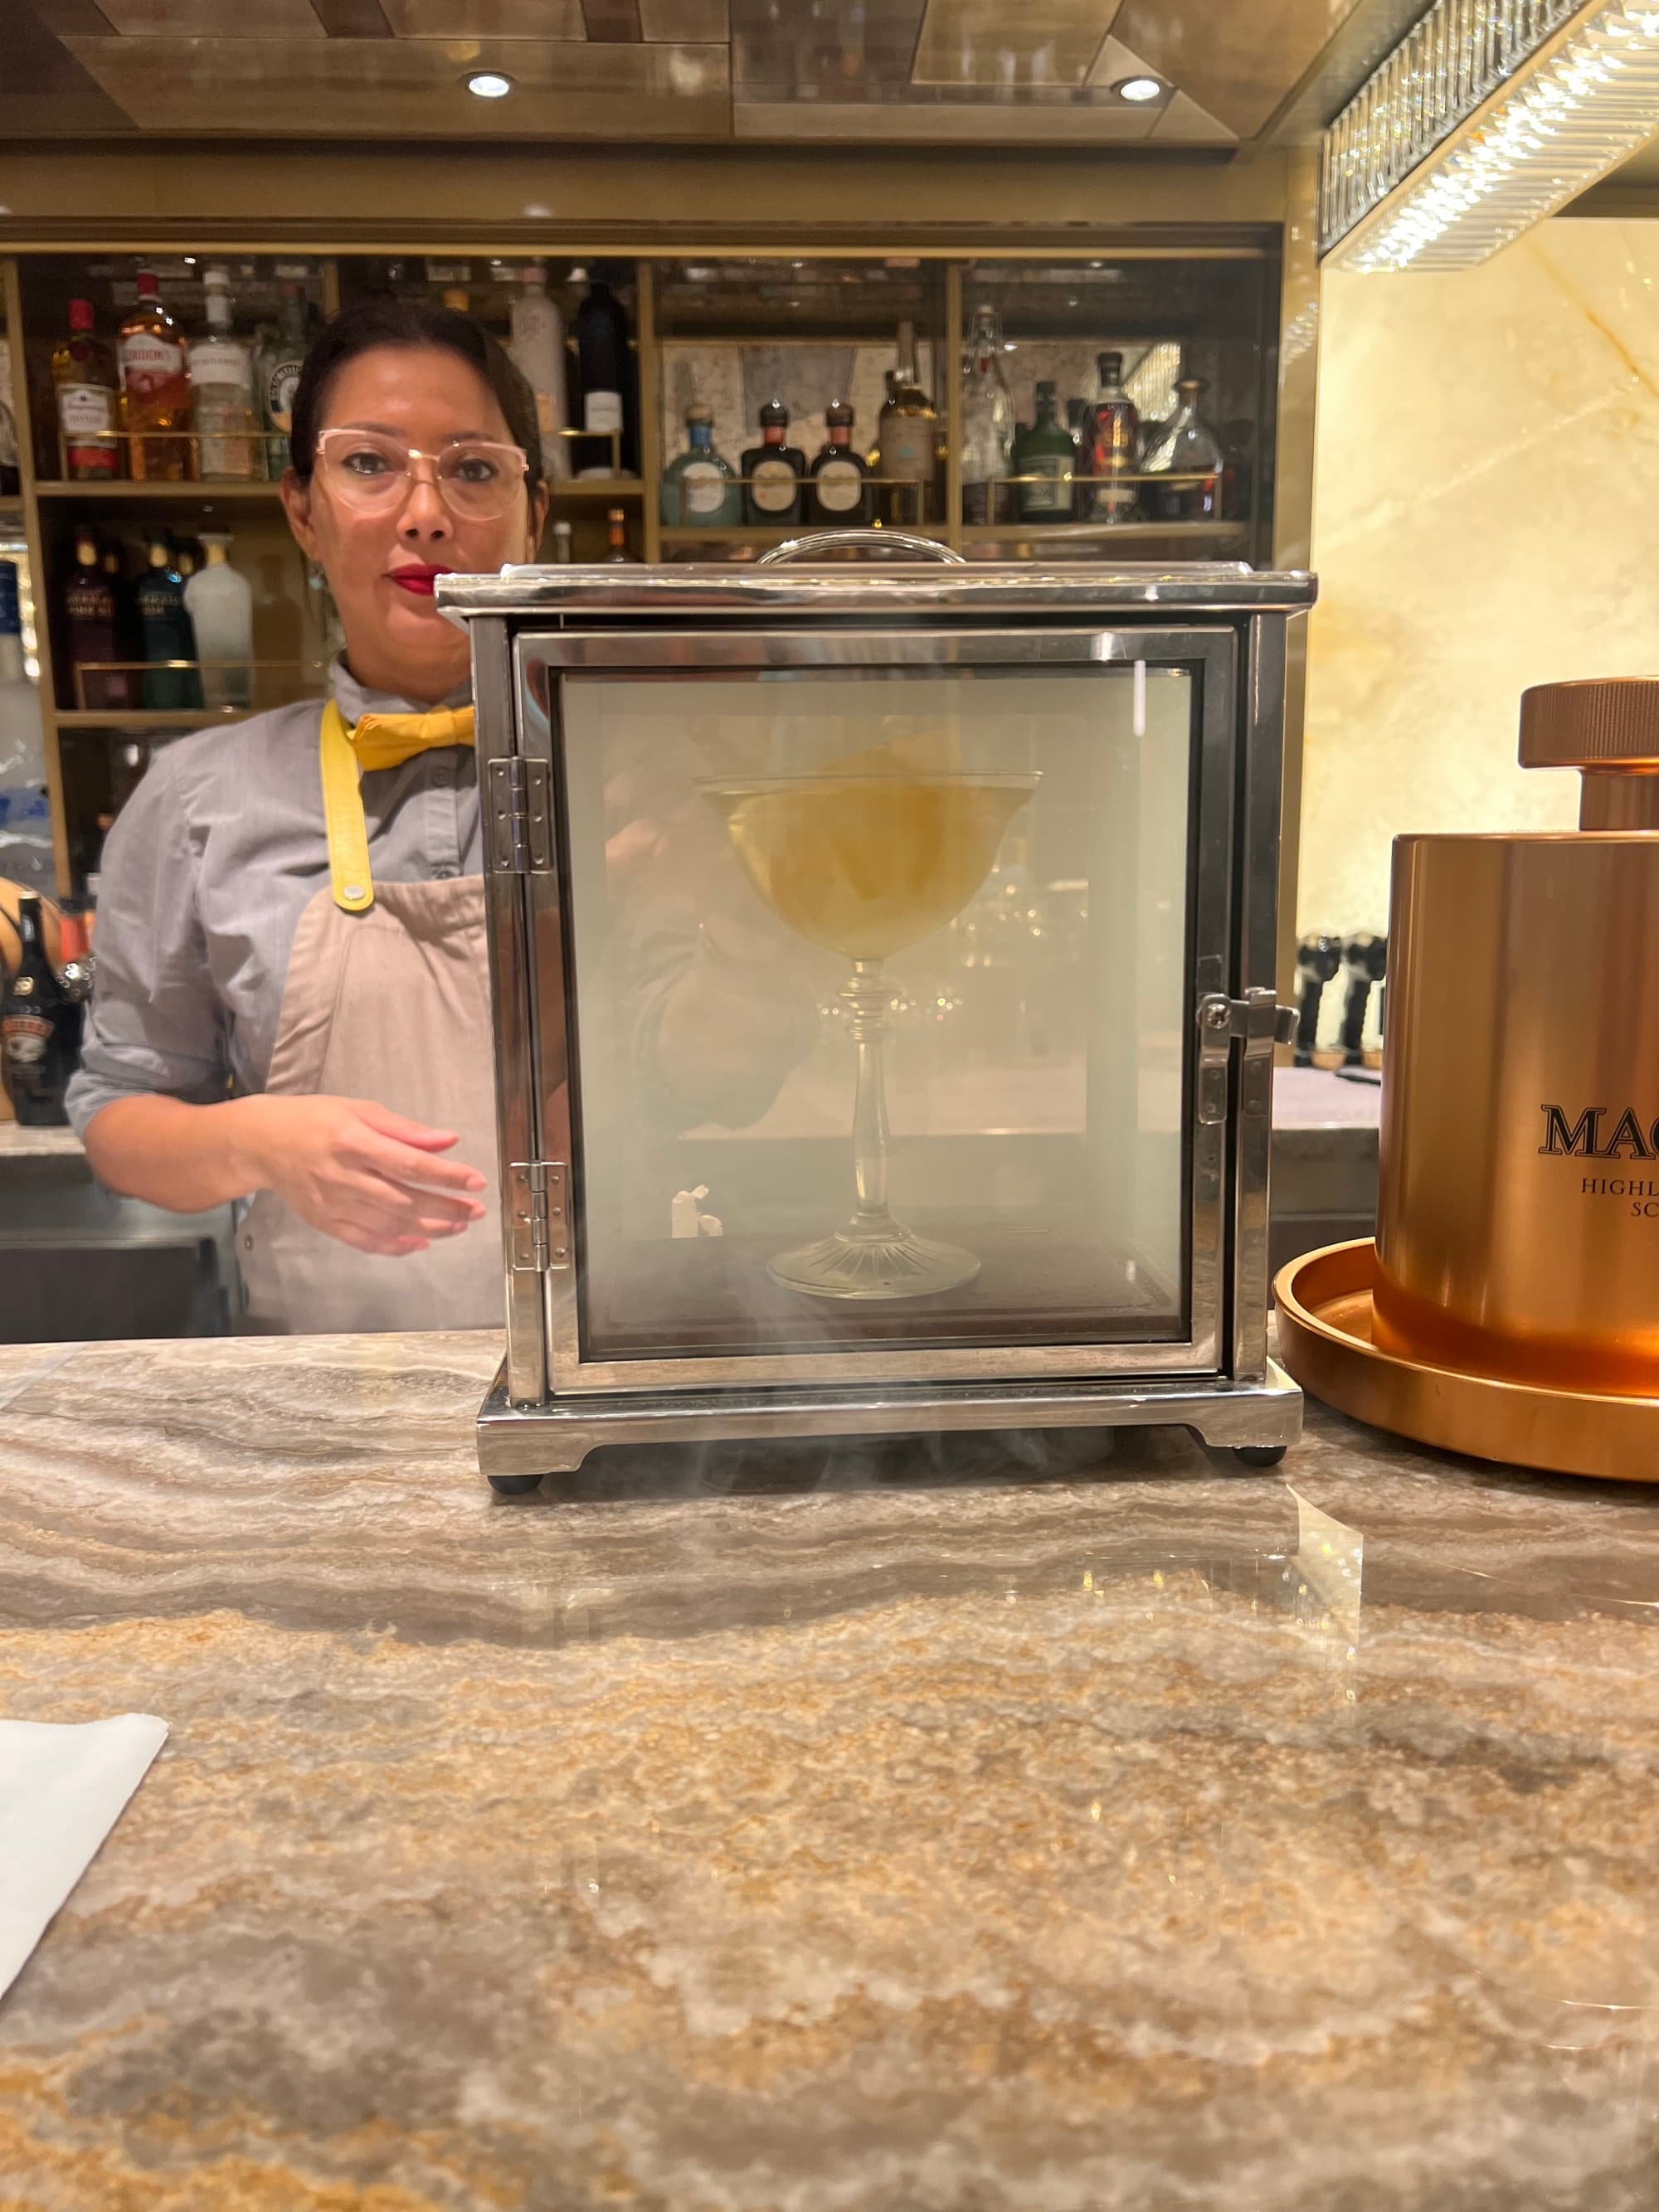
<point x="1518" y="1220"/>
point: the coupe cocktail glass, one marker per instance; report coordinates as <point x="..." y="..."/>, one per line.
<point x="867" y="865"/>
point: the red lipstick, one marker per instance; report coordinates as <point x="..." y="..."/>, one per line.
<point x="418" y="578"/>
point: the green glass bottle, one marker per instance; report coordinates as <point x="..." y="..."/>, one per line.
<point x="700" y="487"/>
<point x="1045" y="450"/>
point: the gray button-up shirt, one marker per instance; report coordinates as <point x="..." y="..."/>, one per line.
<point x="205" y="876"/>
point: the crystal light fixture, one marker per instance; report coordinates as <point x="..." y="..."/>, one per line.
<point x="1488" y="115"/>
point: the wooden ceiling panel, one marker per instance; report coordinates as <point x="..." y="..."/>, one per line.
<point x="412" y="87"/>
<point x="213" y="19"/>
<point x="990" y="44"/>
<point x="937" y="71"/>
<point x="693" y="22"/>
<point x="557" y="20"/>
<point x="942" y="124"/>
<point x="352" y="19"/>
<point x="1239" y="62"/>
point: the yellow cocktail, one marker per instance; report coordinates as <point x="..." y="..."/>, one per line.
<point x="865" y="864"/>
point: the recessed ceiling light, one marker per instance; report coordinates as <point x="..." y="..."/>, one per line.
<point x="536" y="212"/>
<point x="489" y="84"/>
<point x="1139" y="88"/>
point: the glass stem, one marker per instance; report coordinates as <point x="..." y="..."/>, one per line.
<point x="865" y="994"/>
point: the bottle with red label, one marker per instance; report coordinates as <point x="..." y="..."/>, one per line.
<point x="40" y="1029"/>
<point x="83" y="379"/>
<point x="154" y="389"/>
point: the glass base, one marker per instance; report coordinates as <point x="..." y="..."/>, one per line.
<point x="883" y="1259"/>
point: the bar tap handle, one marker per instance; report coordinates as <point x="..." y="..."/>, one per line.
<point x="1318" y="961"/>
<point x="1365" y="958"/>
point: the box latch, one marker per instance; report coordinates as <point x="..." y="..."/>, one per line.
<point x="520" y="816"/>
<point x="540" y="1220"/>
<point x="1259" y="1023"/>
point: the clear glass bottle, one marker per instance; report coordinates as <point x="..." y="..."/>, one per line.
<point x="700" y="488"/>
<point x="155" y="389"/>
<point x="166" y="634"/>
<point x="1111" y="444"/>
<point x="842" y="492"/>
<point x="563" y="543"/>
<point x="988" y="420"/>
<point x="280" y="364"/>
<point x="773" y="470"/>
<point x="1187" y="452"/>
<point x="907" y="451"/>
<point x="1046" y="451"/>
<point x="538" y="349"/>
<point x="221" y="391"/>
<point x="219" y="600"/>
<point x="88" y="402"/>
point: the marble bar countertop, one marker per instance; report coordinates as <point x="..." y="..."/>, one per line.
<point x="1103" y="1831"/>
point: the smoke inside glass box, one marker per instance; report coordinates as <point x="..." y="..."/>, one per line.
<point x="977" y="883"/>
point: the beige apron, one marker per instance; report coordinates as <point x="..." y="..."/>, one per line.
<point x="390" y="1004"/>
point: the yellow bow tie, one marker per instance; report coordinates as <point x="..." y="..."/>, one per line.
<point x="377" y="741"/>
<point x="388" y="740"/>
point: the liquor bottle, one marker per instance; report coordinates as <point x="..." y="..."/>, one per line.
<point x="280" y="364"/>
<point x="538" y="349"/>
<point x="77" y="966"/>
<point x="1111" y="442"/>
<point x="907" y="438"/>
<point x="91" y="622"/>
<point x="26" y="854"/>
<point x="1048" y="452"/>
<point x="222" y="392"/>
<point x="83" y="379"/>
<point x="40" y="1029"/>
<point x="617" y="517"/>
<point x="154" y="389"/>
<point x="129" y="641"/>
<point x="167" y="633"/>
<point x="219" y="600"/>
<point x="841" y="477"/>
<point x="987" y="422"/>
<point x="605" y="370"/>
<point x="1188" y="452"/>
<point x="774" y="470"/>
<point x="456" y="301"/>
<point x="563" y="548"/>
<point x="10" y="476"/>
<point x="700" y="488"/>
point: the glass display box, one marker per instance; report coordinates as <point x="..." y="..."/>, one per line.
<point x="882" y="959"/>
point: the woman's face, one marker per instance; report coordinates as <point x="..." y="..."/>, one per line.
<point x="381" y="566"/>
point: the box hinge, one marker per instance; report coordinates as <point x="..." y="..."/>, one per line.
<point x="520" y="816"/>
<point x="1259" y="1023"/>
<point x="540" y="1220"/>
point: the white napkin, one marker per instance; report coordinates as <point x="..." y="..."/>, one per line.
<point x="61" y="1790"/>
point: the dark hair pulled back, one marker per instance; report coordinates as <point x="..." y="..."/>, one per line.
<point x="384" y="321"/>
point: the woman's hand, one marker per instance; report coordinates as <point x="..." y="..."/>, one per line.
<point x="359" y="1172"/>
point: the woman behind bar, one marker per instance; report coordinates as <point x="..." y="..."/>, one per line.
<point x="292" y="995"/>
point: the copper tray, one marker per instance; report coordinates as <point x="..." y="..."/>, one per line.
<point x="1325" y="1340"/>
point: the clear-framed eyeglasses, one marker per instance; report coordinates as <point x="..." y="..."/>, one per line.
<point x="477" y="479"/>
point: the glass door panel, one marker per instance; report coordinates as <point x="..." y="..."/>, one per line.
<point x="881" y="1002"/>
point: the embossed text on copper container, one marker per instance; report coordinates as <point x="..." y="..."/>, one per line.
<point x="1518" y="1226"/>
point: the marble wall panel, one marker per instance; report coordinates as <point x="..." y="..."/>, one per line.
<point x="1486" y="511"/>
